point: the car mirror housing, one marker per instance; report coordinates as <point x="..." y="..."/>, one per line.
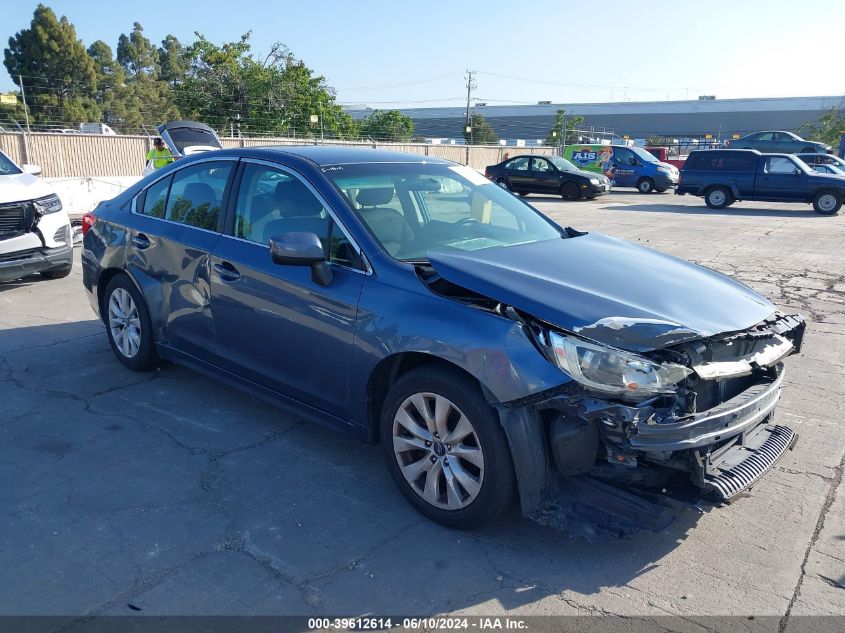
<point x="302" y="249"/>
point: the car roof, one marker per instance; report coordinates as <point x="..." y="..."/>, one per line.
<point x="340" y="155"/>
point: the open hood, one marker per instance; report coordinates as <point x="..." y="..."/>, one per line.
<point x="608" y="290"/>
<point x="184" y="138"/>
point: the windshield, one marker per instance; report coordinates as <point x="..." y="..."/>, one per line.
<point x="413" y="209"/>
<point x="7" y="167"/>
<point x="562" y="163"/>
<point x="646" y="156"/>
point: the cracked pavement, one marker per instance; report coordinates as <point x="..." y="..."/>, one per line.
<point x="168" y="493"/>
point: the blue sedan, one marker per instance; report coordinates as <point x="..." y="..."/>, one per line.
<point x="419" y="306"/>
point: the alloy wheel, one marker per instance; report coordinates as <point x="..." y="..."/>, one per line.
<point x="124" y="323"/>
<point x="438" y="451"/>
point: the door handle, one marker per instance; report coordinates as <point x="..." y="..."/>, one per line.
<point x="141" y="241"/>
<point x="227" y="271"/>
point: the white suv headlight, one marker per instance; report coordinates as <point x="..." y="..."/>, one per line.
<point x="613" y="371"/>
<point x="47" y="204"/>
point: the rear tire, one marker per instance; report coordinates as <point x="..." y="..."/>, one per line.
<point x="717" y="198"/>
<point x="128" y="324"/>
<point x="570" y="191"/>
<point x="645" y="185"/>
<point x="827" y="203"/>
<point x="503" y="183"/>
<point x="445" y="448"/>
<point x="523" y="194"/>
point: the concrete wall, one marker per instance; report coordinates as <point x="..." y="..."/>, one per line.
<point x="95" y="156"/>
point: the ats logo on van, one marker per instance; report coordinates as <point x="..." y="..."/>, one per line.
<point x="585" y="156"/>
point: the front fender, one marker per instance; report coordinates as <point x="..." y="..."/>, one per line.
<point x="494" y="349"/>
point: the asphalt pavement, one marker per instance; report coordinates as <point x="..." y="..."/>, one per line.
<point x="168" y="493"/>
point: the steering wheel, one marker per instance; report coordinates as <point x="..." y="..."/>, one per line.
<point x="467" y="222"/>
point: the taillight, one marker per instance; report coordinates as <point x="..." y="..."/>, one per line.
<point x="486" y="174"/>
<point x="88" y="220"/>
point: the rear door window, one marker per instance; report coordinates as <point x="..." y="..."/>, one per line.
<point x="196" y="194"/>
<point x="155" y="198"/>
<point x="518" y="164"/>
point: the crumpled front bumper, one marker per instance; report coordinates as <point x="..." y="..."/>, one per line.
<point x="732" y="417"/>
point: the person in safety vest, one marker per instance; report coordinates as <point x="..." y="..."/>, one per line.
<point x="159" y="154"/>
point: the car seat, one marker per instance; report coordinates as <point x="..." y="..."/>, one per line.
<point x="300" y="210"/>
<point x="388" y="225"/>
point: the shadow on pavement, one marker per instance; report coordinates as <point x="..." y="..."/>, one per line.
<point x="177" y="494"/>
<point x="704" y="210"/>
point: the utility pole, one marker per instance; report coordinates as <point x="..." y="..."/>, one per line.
<point x="471" y="85"/>
<point x="23" y="98"/>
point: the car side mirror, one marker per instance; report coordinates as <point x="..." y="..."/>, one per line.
<point x="35" y="170"/>
<point x="797" y="172"/>
<point x="302" y="249"/>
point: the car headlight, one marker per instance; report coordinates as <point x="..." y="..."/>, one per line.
<point x="47" y="204"/>
<point x="613" y="371"/>
<point x="595" y="181"/>
<point x="664" y="170"/>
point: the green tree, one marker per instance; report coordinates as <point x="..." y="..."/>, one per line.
<point x="572" y="122"/>
<point x="136" y="54"/>
<point x="145" y="98"/>
<point x="58" y="74"/>
<point x="111" y="90"/>
<point x="828" y="128"/>
<point x="172" y="61"/>
<point x="389" y="125"/>
<point x="227" y="86"/>
<point x="481" y="132"/>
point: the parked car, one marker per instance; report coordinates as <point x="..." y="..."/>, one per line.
<point x="414" y="303"/>
<point x="35" y="234"/>
<point x="777" y="141"/>
<point x="547" y="174"/>
<point x="624" y="166"/>
<point x="822" y="159"/>
<point x="823" y="168"/>
<point x="723" y="177"/>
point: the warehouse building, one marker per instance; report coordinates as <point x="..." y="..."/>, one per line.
<point x="694" y="118"/>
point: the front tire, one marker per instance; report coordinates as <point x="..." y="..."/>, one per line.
<point x="717" y="198"/>
<point x="827" y="203"/>
<point x="570" y="191"/>
<point x="57" y="273"/>
<point x="128" y="324"/>
<point x="446" y="449"/>
<point x="645" y="185"/>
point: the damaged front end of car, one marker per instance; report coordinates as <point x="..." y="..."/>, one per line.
<point x="699" y="410"/>
<point x="670" y="373"/>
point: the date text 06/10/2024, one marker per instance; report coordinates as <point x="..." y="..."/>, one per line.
<point x="411" y="624"/>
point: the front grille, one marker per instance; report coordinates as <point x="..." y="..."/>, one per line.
<point x="12" y="220"/>
<point x="729" y="483"/>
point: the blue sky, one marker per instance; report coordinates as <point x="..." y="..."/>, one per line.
<point x="399" y="53"/>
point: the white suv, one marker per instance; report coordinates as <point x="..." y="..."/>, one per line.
<point x="35" y="233"/>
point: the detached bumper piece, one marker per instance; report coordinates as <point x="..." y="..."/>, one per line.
<point x="743" y="464"/>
